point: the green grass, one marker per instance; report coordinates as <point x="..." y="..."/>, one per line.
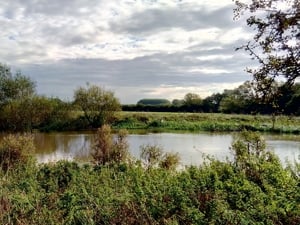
<point x="205" y="122"/>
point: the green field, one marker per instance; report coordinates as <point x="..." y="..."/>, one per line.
<point x="206" y="122"/>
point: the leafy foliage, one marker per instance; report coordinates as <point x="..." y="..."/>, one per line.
<point x="275" y="46"/>
<point x="97" y="104"/>
<point x="151" y="154"/>
<point x="154" y="156"/>
<point x="254" y="188"/>
<point x="16" y="150"/>
<point x="14" y="86"/>
<point x="170" y="161"/>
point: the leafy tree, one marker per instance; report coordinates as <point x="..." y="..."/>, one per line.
<point x="177" y="102"/>
<point x="192" y="102"/>
<point x="29" y="113"/>
<point x="16" y="91"/>
<point x="238" y="100"/>
<point x="212" y="103"/>
<point x="14" y="86"/>
<point x="275" y="46"/>
<point x="192" y="99"/>
<point x="292" y="106"/>
<point x="97" y="104"/>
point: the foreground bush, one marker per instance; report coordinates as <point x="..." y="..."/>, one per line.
<point x="16" y="149"/>
<point x="252" y="189"/>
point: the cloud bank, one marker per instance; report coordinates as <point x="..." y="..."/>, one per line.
<point x="137" y="48"/>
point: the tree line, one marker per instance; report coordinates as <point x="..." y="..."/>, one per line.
<point x="22" y="109"/>
<point x="241" y="100"/>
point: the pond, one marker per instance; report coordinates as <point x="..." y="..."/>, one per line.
<point x="191" y="147"/>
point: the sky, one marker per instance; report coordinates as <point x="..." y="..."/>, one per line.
<point x="135" y="48"/>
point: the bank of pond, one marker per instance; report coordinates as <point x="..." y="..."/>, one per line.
<point x="212" y="122"/>
<point x="172" y="121"/>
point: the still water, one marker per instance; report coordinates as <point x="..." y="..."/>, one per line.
<point x="191" y="147"/>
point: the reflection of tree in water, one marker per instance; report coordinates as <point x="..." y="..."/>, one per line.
<point x="63" y="146"/>
<point x="58" y="146"/>
<point x="45" y="143"/>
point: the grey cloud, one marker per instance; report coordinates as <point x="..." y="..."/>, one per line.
<point x="155" y="20"/>
<point x="65" y="35"/>
<point x="61" y="77"/>
<point x="56" y="7"/>
<point x="148" y="72"/>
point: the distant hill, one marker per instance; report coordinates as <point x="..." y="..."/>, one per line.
<point x="149" y="101"/>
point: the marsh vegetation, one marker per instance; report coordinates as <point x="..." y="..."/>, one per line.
<point x="253" y="188"/>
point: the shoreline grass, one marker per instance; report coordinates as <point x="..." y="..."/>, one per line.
<point x="212" y="122"/>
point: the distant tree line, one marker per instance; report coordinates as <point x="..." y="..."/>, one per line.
<point x="22" y="109"/>
<point x="241" y="100"/>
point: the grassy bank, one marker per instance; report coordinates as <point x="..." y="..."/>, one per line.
<point x="206" y="122"/>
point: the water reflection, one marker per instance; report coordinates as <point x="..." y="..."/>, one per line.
<point x="191" y="147"/>
<point x="68" y="146"/>
<point x="52" y="147"/>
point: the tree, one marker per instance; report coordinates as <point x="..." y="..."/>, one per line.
<point x="238" y="100"/>
<point x="177" y="102"/>
<point x="16" y="93"/>
<point x="14" y="86"/>
<point x="97" y="104"/>
<point x="292" y="106"/>
<point x="275" y="46"/>
<point x="212" y="103"/>
<point x="193" y="102"/>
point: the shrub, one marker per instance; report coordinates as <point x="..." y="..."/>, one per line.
<point x="151" y="154"/>
<point x="57" y="176"/>
<point x="16" y="149"/>
<point x="121" y="147"/>
<point x="107" y="151"/>
<point x="170" y="161"/>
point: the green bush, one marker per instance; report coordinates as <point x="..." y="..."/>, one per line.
<point x="15" y="150"/>
<point x="108" y="151"/>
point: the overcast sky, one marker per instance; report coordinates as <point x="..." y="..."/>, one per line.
<point x="136" y="48"/>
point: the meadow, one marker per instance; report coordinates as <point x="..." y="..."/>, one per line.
<point x="214" y="122"/>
